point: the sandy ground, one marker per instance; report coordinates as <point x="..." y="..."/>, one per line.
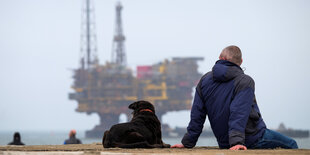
<point x="97" y="149"/>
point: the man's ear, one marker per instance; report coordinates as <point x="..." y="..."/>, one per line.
<point x="133" y="106"/>
<point x="222" y="58"/>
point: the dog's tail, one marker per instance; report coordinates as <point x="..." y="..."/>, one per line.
<point x="105" y="139"/>
<point x="143" y="144"/>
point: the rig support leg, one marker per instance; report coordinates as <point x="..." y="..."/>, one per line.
<point x="106" y="121"/>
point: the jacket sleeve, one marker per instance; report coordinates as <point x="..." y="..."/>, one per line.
<point x="198" y="117"/>
<point x="240" y="109"/>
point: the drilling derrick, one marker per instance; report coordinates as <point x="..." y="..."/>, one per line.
<point x="108" y="89"/>
<point x="88" y="49"/>
<point x="118" y="53"/>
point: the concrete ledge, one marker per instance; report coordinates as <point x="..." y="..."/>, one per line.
<point x="97" y="149"/>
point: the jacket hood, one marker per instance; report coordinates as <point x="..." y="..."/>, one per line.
<point x="225" y="71"/>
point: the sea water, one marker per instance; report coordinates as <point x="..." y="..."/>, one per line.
<point x="58" y="138"/>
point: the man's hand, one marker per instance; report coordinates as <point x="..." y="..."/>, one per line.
<point x="177" y="146"/>
<point x="238" y="147"/>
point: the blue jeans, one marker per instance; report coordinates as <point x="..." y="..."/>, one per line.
<point x="272" y="139"/>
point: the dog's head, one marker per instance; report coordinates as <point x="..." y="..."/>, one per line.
<point x="141" y="105"/>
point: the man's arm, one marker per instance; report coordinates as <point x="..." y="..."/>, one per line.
<point x="240" y="109"/>
<point x="198" y="117"/>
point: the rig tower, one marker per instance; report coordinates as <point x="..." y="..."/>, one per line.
<point x="118" y="53"/>
<point x="88" y="56"/>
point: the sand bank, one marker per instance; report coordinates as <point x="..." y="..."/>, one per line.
<point x="97" y="149"/>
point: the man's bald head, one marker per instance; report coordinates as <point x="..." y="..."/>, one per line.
<point x="232" y="54"/>
<point x="72" y="133"/>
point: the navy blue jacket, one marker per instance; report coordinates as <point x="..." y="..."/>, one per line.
<point x="226" y="95"/>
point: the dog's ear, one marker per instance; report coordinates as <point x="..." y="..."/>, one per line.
<point x="133" y="106"/>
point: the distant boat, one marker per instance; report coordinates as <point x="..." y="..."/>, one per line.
<point x="292" y="132"/>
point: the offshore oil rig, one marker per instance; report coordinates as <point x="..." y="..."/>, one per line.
<point x="108" y="89"/>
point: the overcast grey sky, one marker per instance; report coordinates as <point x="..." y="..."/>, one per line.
<point x="40" y="42"/>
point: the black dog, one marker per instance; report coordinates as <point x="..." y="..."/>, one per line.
<point x="143" y="131"/>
